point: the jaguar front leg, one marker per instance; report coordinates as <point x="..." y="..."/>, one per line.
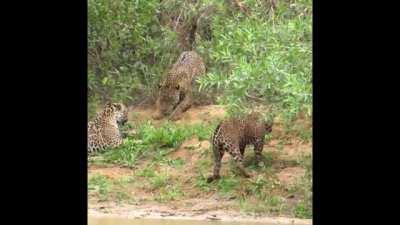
<point x="238" y="157"/>
<point x="158" y="115"/>
<point x="184" y="105"/>
<point x="258" y="148"/>
<point x="218" y="154"/>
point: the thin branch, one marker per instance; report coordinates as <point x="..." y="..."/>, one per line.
<point x="177" y="20"/>
<point x="255" y="98"/>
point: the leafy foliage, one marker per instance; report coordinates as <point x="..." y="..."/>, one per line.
<point x="263" y="57"/>
<point x="128" y="49"/>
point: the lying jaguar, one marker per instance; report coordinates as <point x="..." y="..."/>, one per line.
<point x="104" y="131"/>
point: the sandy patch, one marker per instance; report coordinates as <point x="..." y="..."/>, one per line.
<point x="165" y="212"/>
<point x="290" y="175"/>
<point x="110" y="172"/>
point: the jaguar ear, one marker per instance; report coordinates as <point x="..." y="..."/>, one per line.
<point x="159" y="86"/>
<point x="177" y="87"/>
<point x="117" y="106"/>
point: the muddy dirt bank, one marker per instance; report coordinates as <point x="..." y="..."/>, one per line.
<point x="111" y="210"/>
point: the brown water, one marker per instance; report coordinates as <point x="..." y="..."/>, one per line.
<point x="122" y="221"/>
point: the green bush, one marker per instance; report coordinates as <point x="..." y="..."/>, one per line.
<point x="262" y="58"/>
<point x="127" y="49"/>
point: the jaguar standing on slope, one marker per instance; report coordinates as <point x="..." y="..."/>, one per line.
<point x="104" y="131"/>
<point x="175" y="92"/>
<point x="232" y="136"/>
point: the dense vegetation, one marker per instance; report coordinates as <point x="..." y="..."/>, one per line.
<point x="256" y="52"/>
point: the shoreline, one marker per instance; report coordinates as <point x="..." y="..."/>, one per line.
<point x="157" y="213"/>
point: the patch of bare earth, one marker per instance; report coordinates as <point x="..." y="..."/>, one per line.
<point x="290" y="175"/>
<point x="197" y="114"/>
<point x="150" y="211"/>
<point x="289" y="151"/>
<point x="202" y="114"/>
<point x="190" y="152"/>
<point x="113" y="172"/>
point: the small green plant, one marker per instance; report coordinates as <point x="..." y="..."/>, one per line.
<point x="268" y="158"/>
<point x="170" y="135"/>
<point x="202" y="184"/>
<point x="169" y="193"/>
<point x="279" y="146"/>
<point x="303" y="210"/>
<point x="127" y="154"/>
<point x="159" y="181"/>
<point x="274" y="203"/>
<point x="177" y="163"/>
<point x="305" y="161"/>
<point x="166" y="136"/>
<point x="203" y="165"/>
<point x="257" y="187"/>
<point x="148" y="171"/>
<point x="122" y="196"/>
<point x="227" y="185"/>
<point x="202" y="131"/>
<point x="100" y="185"/>
<point x="122" y="181"/>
